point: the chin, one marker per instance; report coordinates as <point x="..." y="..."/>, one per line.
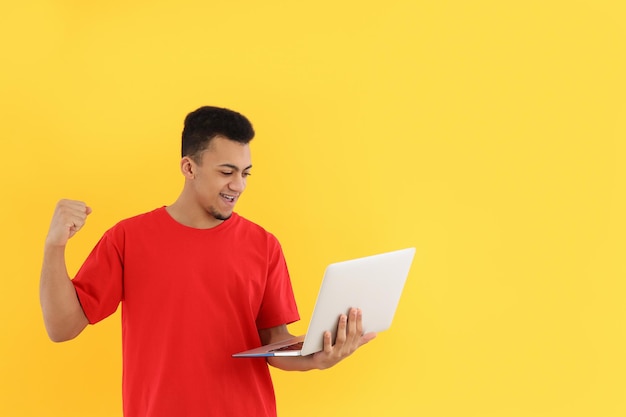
<point x="220" y="216"/>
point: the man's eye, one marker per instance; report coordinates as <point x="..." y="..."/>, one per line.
<point x="227" y="173"/>
<point x="247" y="174"/>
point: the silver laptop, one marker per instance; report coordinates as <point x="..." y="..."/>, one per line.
<point x="373" y="284"/>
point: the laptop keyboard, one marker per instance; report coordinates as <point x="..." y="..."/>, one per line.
<point x="295" y="346"/>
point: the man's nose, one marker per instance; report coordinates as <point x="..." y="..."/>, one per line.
<point x="238" y="183"/>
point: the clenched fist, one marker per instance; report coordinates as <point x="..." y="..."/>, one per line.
<point x="68" y="218"/>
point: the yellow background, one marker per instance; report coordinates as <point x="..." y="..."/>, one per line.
<point x="488" y="134"/>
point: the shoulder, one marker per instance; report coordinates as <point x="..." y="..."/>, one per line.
<point x="251" y="228"/>
<point x="142" y="221"/>
<point x="244" y="223"/>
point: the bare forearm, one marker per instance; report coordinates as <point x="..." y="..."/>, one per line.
<point x="349" y="338"/>
<point x="293" y="363"/>
<point x="62" y="313"/>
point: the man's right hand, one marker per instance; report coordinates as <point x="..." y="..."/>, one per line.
<point x="68" y="218"/>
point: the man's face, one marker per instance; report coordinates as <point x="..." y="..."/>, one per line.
<point x="221" y="177"/>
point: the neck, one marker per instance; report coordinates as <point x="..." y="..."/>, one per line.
<point x="191" y="214"/>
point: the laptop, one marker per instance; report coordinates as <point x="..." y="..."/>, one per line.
<point x="373" y="284"/>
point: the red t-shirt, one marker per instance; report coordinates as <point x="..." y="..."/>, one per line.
<point x="190" y="299"/>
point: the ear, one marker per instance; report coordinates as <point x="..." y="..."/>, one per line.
<point x="188" y="167"/>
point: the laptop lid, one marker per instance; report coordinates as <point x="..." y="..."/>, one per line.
<point x="373" y="283"/>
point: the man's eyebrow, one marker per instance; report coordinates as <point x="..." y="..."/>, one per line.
<point x="234" y="167"/>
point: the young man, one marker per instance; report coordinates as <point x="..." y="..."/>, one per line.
<point x="197" y="283"/>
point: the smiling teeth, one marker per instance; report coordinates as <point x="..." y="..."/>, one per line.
<point x="228" y="197"/>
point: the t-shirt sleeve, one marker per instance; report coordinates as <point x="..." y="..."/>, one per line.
<point x="279" y="304"/>
<point x="98" y="282"/>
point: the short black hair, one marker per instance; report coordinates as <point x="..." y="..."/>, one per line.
<point x="208" y="122"/>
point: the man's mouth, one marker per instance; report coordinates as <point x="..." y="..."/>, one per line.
<point x="230" y="198"/>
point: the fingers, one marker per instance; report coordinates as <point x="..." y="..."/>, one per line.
<point x="354" y="322"/>
<point x="341" y="337"/>
<point x="355" y="329"/>
<point x="68" y="218"/>
<point x="349" y="338"/>
<point x="359" y="322"/>
<point x="349" y="332"/>
<point x="328" y="343"/>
